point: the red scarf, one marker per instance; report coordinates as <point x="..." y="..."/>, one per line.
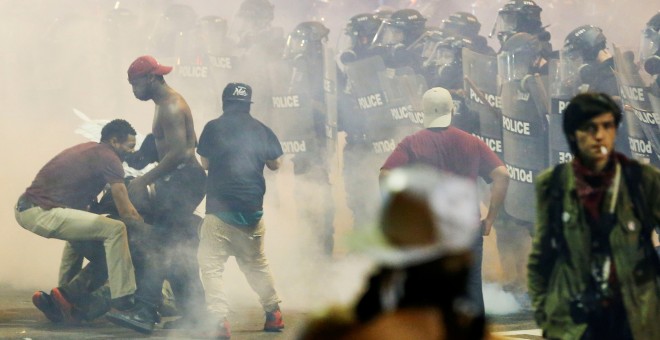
<point x="591" y="186"/>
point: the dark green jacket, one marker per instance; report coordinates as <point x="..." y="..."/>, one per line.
<point x="555" y="280"/>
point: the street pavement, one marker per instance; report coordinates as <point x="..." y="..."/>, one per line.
<point x="19" y="319"/>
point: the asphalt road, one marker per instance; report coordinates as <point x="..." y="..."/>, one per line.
<point x="19" y="319"/>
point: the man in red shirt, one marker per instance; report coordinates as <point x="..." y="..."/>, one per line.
<point x="56" y="205"/>
<point x="449" y="149"/>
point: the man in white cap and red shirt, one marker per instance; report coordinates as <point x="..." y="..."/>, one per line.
<point x="451" y="150"/>
<point x="178" y="180"/>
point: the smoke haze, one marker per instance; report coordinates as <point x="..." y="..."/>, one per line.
<point x="66" y="54"/>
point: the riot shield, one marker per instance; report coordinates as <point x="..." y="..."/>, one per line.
<point x="482" y="97"/>
<point x="192" y="78"/>
<point x="562" y="89"/>
<point x="524" y="133"/>
<point x="291" y="103"/>
<point x="330" y="90"/>
<point x="642" y="121"/>
<point x="404" y="89"/>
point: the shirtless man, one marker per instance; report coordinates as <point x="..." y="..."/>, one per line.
<point x="178" y="187"/>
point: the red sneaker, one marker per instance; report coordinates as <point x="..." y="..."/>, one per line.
<point x="45" y="304"/>
<point x="274" y="322"/>
<point x="65" y="307"/>
<point x="223" y="331"/>
<point x="215" y="331"/>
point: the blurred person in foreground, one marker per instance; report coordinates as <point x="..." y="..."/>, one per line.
<point x="422" y="247"/>
<point x="449" y="149"/>
<point x="178" y="182"/>
<point x="235" y="149"/>
<point x="57" y="203"/>
<point x="593" y="272"/>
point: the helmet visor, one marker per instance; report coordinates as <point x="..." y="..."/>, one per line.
<point x="650" y="44"/>
<point x="388" y="35"/>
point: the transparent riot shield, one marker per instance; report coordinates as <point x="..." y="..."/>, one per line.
<point x="368" y="92"/>
<point x="292" y="107"/>
<point x="482" y="96"/>
<point x="192" y="77"/>
<point x="404" y="89"/>
<point x="563" y="86"/>
<point x="642" y="122"/>
<point x="524" y="132"/>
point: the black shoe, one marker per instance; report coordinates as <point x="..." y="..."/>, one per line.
<point x="123" y="303"/>
<point x="45" y="304"/>
<point x="140" y="319"/>
<point x="94" y="305"/>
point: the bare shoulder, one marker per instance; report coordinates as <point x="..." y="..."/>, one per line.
<point x="174" y="109"/>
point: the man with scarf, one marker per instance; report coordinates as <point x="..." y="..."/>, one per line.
<point x="593" y="273"/>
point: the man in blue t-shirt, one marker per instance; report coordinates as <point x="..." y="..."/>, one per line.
<point x="234" y="148"/>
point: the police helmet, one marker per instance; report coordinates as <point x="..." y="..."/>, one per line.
<point x="517" y="16"/>
<point x="650" y="47"/>
<point x="365" y="24"/>
<point x="410" y="21"/>
<point x="180" y="17"/>
<point x="257" y="10"/>
<point x="307" y="37"/>
<point x="462" y="23"/>
<point x="585" y="41"/>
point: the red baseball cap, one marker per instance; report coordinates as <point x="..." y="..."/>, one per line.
<point x="147" y="64"/>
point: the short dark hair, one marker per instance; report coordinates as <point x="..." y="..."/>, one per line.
<point x="117" y="128"/>
<point x="583" y="108"/>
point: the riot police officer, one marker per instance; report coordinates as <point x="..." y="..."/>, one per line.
<point x="649" y="53"/>
<point x="521" y="70"/>
<point x="171" y="33"/>
<point x="359" y="34"/>
<point x="443" y="67"/>
<point x="468" y="26"/>
<point x="305" y="53"/>
<point x="252" y="27"/>
<point x="395" y="37"/>
<point x="585" y="53"/>
<point x="518" y="16"/>
<point x="360" y="31"/>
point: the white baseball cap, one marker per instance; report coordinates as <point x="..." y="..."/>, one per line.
<point x="438" y="107"/>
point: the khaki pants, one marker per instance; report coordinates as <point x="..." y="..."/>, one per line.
<point x="218" y="241"/>
<point x="77" y="225"/>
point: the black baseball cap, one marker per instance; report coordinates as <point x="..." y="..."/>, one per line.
<point x="237" y="92"/>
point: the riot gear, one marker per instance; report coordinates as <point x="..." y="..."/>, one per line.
<point x="176" y="21"/>
<point x="212" y="33"/>
<point x="524" y="121"/>
<point x="403" y="27"/>
<point x="395" y="37"/>
<point x="517" y="16"/>
<point x="584" y="42"/>
<point x="462" y="23"/>
<point x="361" y="30"/>
<point x="443" y="64"/>
<point x="649" y="52"/>
<point x="252" y="24"/>
<point x="306" y="39"/>
<point x="260" y="13"/>
<point x="520" y="56"/>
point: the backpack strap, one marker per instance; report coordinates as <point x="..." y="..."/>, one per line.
<point x="632" y="173"/>
<point x="556" y="210"/>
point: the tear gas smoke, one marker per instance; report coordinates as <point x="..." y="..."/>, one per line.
<point x="61" y="55"/>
